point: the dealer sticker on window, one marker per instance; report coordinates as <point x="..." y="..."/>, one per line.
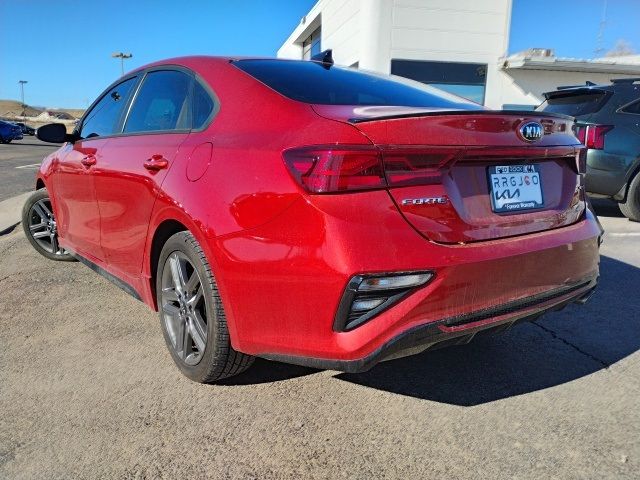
<point x="515" y="187"/>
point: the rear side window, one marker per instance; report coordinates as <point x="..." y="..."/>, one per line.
<point x="575" y="104"/>
<point x="104" y="117"/>
<point x="203" y="106"/>
<point x="162" y="104"/>
<point x="633" y="108"/>
<point x="311" y="82"/>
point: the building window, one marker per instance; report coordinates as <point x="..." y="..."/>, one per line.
<point x="311" y="46"/>
<point x="518" y="106"/>
<point x="466" y="80"/>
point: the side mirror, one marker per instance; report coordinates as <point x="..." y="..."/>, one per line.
<point x="54" y="133"/>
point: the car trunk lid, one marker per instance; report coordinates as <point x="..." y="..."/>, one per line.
<point x="440" y="167"/>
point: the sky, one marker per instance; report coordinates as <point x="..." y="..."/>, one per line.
<point x="63" y="47"/>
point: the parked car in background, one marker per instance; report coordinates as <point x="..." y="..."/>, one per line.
<point x="314" y="214"/>
<point x="9" y="131"/>
<point x="608" y="123"/>
<point x="26" y="129"/>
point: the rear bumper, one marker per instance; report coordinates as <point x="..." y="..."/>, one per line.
<point x="281" y="283"/>
<point x="453" y="331"/>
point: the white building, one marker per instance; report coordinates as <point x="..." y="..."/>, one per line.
<point x="458" y="45"/>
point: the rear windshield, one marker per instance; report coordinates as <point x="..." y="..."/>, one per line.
<point x="575" y="104"/>
<point x="311" y="82"/>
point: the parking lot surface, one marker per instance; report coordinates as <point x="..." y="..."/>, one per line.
<point x="18" y="162"/>
<point x="88" y="390"/>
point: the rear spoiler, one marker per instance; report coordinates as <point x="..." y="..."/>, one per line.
<point x="426" y="113"/>
<point x="569" y="91"/>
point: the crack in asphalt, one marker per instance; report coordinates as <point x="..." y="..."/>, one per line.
<point x="604" y="364"/>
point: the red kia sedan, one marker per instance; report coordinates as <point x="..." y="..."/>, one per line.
<point x="313" y="214"/>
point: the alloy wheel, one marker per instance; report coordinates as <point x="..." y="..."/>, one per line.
<point x="184" y="310"/>
<point x="43" y="228"/>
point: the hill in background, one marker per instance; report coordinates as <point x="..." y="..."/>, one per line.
<point x="13" y="108"/>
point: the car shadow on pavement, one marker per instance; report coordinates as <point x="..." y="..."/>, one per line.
<point x="265" y="371"/>
<point x="606" y="208"/>
<point x="558" y="348"/>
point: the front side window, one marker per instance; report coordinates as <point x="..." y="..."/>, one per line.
<point x="104" y="117"/>
<point x="162" y="104"/>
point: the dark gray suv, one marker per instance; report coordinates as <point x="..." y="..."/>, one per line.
<point x="608" y="123"/>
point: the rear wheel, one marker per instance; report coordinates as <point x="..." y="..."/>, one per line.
<point x="630" y="208"/>
<point x="40" y="228"/>
<point x="191" y="313"/>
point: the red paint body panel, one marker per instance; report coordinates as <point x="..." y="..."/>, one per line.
<point x="126" y="193"/>
<point x="282" y="257"/>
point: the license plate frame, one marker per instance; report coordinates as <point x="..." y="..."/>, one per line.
<point x="515" y="188"/>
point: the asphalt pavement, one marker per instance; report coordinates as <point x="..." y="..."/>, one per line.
<point x="19" y="161"/>
<point x="88" y="390"/>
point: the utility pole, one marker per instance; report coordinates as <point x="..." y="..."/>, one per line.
<point x="22" y="82"/>
<point x="122" y="57"/>
<point x="603" y="23"/>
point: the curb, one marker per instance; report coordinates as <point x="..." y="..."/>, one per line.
<point x="10" y="212"/>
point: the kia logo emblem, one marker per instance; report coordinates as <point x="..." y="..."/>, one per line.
<point x="531" y="131"/>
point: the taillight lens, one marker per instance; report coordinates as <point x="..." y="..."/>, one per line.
<point x="592" y="136"/>
<point x="595" y="136"/>
<point x="405" y="167"/>
<point x="330" y="170"/>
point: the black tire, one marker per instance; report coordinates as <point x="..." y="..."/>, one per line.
<point x="47" y="247"/>
<point x="218" y="360"/>
<point x="630" y="208"/>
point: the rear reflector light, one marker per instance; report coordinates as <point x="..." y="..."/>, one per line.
<point x="397" y="281"/>
<point x="333" y="169"/>
<point x="368" y="295"/>
<point x="592" y="136"/>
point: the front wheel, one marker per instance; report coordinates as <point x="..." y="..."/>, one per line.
<point x="40" y="228"/>
<point x="192" y="317"/>
<point x="630" y="208"/>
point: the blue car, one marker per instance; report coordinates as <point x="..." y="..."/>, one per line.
<point x="9" y="131"/>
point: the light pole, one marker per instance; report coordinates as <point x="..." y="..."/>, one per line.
<point x="122" y="57"/>
<point x="22" y="82"/>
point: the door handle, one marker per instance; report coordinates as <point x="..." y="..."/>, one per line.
<point x="155" y="163"/>
<point x="88" y="161"/>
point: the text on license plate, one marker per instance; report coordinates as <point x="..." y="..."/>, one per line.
<point x="515" y="187"/>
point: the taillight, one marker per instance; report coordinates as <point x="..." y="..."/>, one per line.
<point x="595" y="136"/>
<point x="330" y="169"/>
<point x="404" y="167"/>
<point x="341" y="169"/>
<point x="592" y="136"/>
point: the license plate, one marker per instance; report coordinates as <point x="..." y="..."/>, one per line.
<point x="515" y="187"/>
